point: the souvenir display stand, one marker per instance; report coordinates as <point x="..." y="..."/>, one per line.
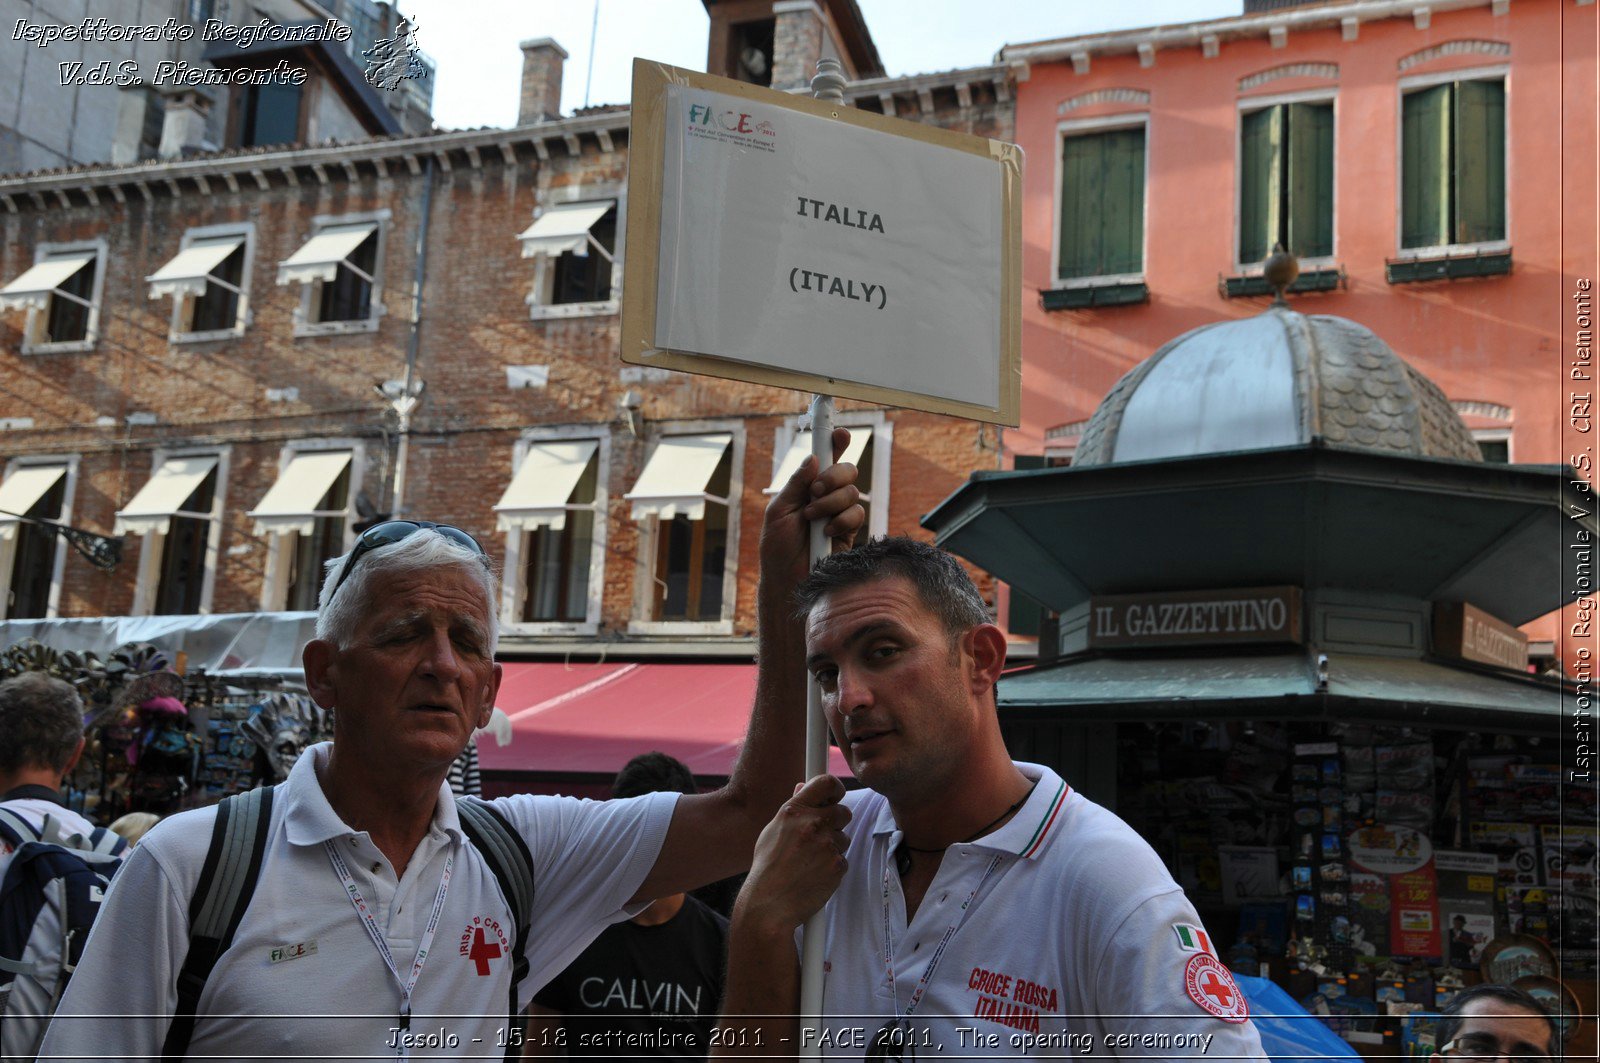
<point x="161" y="740"/>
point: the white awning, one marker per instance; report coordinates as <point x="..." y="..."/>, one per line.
<point x="564" y="228"/>
<point x="22" y="491"/>
<point x="674" y="479"/>
<point x="152" y="508"/>
<point x="800" y="449"/>
<point x="318" y="259"/>
<point x="191" y="268"/>
<point x="32" y="289"/>
<point x="538" y="494"/>
<point x="292" y="504"/>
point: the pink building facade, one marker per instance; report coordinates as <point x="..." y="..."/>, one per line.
<point x="1431" y="165"/>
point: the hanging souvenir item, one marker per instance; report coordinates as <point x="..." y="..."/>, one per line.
<point x="282" y="725"/>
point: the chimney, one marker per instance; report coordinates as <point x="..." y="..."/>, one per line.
<point x="798" y="42"/>
<point x="183" y="125"/>
<point x="134" y="107"/>
<point x="541" y="81"/>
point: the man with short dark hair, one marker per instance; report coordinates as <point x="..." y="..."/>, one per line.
<point x="41" y="718"/>
<point x="647" y="987"/>
<point x="1493" y="1022"/>
<point x="376" y="927"/>
<point x="973" y="905"/>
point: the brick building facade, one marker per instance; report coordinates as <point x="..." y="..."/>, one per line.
<point x="239" y="372"/>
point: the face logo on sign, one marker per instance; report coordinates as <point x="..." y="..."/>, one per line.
<point x="482" y="942"/>
<point x="1209" y="985"/>
<point x="740" y="126"/>
<point x="728" y="121"/>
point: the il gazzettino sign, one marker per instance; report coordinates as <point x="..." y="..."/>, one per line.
<point x="784" y="240"/>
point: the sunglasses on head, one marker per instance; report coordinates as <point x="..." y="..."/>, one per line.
<point x="392" y="531"/>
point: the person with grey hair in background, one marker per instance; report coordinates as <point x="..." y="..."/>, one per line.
<point x="41" y="739"/>
<point x="376" y="927"/>
<point x="41" y="917"/>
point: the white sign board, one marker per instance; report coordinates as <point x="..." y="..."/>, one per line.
<point x="784" y="240"/>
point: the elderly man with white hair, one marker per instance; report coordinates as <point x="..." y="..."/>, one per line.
<point x="376" y="928"/>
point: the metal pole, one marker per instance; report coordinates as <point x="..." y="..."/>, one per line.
<point x="402" y="408"/>
<point x="822" y="449"/>
<point x="594" y="31"/>
<point x="410" y="386"/>
<point x="812" y="947"/>
<point x="828" y="85"/>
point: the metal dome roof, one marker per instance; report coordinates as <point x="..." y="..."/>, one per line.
<point x="1279" y="379"/>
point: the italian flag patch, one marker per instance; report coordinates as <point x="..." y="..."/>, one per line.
<point x="1192" y="938"/>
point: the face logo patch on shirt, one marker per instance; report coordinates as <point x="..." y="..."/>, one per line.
<point x="1192" y="938"/>
<point x="292" y="952"/>
<point x="482" y="941"/>
<point x="1209" y="985"/>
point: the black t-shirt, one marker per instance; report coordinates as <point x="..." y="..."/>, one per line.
<point x="644" y="990"/>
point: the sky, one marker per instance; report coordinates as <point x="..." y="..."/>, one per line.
<point x="480" y="65"/>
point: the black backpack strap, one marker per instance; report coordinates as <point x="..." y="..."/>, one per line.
<point x="227" y="882"/>
<point x="508" y="857"/>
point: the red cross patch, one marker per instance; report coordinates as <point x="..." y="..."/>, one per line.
<point x="482" y="941"/>
<point x="482" y="952"/>
<point x="1209" y="985"/>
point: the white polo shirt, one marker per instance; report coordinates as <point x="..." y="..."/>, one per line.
<point x="336" y="996"/>
<point x="1069" y="946"/>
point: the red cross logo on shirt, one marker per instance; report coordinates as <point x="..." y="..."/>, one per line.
<point x="1216" y="989"/>
<point x="1209" y="985"/>
<point x="482" y="952"/>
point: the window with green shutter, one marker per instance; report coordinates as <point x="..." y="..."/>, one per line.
<point x="1453" y="164"/>
<point x="1495" y="449"/>
<point x="1286" y="180"/>
<point x="1479" y="135"/>
<point x="1102" y="204"/>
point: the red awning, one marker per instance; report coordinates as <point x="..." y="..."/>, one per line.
<point x="591" y="719"/>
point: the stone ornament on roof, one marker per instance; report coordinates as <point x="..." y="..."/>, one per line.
<point x="1279" y="379"/>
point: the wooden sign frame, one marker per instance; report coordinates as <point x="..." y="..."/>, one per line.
<point x="647" y="145"/>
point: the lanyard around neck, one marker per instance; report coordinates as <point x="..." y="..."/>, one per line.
<point x="938" y="953"/>
<point x="407" y="985"/>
